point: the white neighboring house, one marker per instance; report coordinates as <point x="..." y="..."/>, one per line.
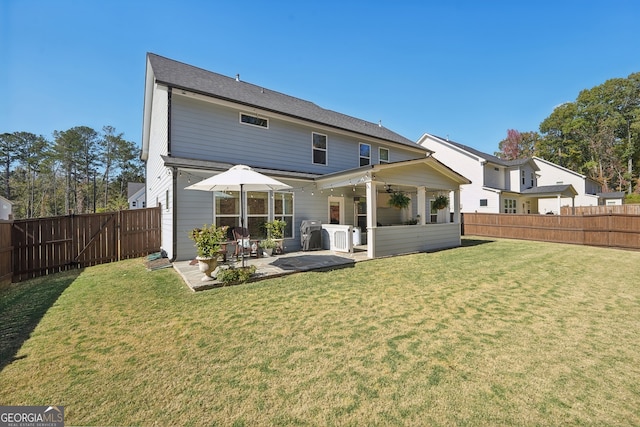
<point x="197" y="123"/>
<point x="136" y="195"/>
<point x="6" y="209"/>
<point x="551" y="174"/>
<point x="527" y="186"/>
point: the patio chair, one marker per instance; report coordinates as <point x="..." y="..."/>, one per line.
<point x="243" y="241"/>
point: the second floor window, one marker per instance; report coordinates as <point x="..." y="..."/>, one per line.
<point x="523" y="177"/>
<point x="383" y="154"/>
<point x="319" y="148"/>
<point x="254" y="120"/>
<point x="365" y="154"/>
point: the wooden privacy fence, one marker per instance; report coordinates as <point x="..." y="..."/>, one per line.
<point x="599" y="210"/>
<point x="610" y="230"/>
<point x="48" y="245"/>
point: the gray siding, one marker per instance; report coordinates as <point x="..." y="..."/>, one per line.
<point x="415" y="238"/>
<point x="195" y="208"/>
<point x="207" y="131"/>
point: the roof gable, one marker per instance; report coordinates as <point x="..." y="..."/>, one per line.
<point x="184" y="76"/>
<point x="488" y="157"/>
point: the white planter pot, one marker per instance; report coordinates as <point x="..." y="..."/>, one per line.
<point x="207" y="266"/>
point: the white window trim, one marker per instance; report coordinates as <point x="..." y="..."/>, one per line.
<point x="251" y="124"/>
<point x="326" y="150"/>
<point x="513" y="208"/>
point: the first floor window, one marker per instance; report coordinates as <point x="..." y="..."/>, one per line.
<point x="484" y="202"/>
<point x="365" y="154"/>
<point x="227" y="209"/>
<point x="258" y="211"/>
<point x="283" y="210"/>
<point x="319" y="148"/>
<point x="510" y="206"/>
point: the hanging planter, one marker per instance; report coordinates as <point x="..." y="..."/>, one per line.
<point x="399" y="200"/>
<point x="440" y="202"/>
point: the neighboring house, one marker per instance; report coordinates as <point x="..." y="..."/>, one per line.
<point x="531" y="185"/>
<point x="198" y="123"/>
<point x="614" y="198"/>
<point x="551" y="174"/>
<point x="6" y="209"/>
<point x="136" y="195"/>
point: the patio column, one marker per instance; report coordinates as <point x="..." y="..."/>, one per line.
<point x="559" y="204"/>
<point x="422" y="205"/>
<point x="456" y="206"/>
<point x="372" y="219"/>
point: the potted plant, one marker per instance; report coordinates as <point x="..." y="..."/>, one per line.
<point x="275" y="231"/>
<point x="440" y="202"/>
<point x="208" y="241"/>
<point x="267" y="245"/>
<point x="399" y="200"/>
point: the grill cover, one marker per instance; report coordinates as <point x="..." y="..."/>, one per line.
<point x="311" y="235"/>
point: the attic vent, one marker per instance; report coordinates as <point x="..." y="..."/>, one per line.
<point x="237" y="77"/>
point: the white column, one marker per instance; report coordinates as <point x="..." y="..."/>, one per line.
<point x="456" y="206"/>
<point x="559" y="204"/>
<point x="422" y="205"/>
<point x="372" y="220"/>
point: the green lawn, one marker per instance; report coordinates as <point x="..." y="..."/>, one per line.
<point x="498" y="332"/>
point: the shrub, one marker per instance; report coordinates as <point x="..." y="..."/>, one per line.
<point x="235" y="275"/>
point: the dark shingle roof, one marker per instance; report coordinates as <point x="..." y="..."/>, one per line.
<point x="612" y="195"/>
<point x="550" y="189"/>
<point x="489" y="157"/>
<point x="188" y="77"/>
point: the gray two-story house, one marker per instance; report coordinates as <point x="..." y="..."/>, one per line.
<point x="341" y="169"/>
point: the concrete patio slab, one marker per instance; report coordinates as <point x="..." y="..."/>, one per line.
<point x="274" y="266"/>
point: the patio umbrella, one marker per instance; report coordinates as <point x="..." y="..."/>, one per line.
<point x="239" y="178"/>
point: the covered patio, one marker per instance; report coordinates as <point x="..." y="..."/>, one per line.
<point x="557" y="192"/>
<point x="392" y="231"/>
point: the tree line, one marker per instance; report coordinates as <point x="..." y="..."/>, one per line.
<point x="597" y="135"/>
<point x="80" y="170"/>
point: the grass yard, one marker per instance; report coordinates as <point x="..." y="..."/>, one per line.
<point x="500" y="332"/>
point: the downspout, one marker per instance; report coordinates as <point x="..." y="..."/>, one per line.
<point x="169" y="121"/>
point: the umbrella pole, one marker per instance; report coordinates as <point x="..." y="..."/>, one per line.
<point x="242" y="223"/>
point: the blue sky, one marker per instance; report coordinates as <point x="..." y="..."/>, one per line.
<point x="468" y="70"/>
